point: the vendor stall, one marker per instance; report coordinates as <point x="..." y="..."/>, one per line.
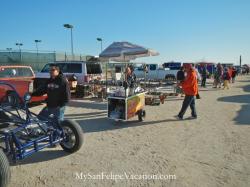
<point x="124" y="108"/>
<point x="126" y="101"/>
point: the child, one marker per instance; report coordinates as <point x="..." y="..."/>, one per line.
<point x="226" y="78"/>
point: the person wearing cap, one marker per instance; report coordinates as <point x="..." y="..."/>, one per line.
<point x="190" y="88"/>
<point x="58" y="94"/>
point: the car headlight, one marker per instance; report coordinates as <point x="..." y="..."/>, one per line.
<point x="31" y="87"/>
<point x="27" y="97"/>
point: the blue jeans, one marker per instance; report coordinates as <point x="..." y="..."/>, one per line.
<point x="189" y="100"/>
<point x="203" y="81"/>
<point x="58" y="113"/>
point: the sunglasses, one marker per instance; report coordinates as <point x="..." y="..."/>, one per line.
<point x="53" y="70"/>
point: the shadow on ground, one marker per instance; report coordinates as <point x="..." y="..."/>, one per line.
<point x="42" y="156"/>
<point x="88" y="105"/>
<point x="243" y="117"/>
<point x="104" y="124"/>
<point x="98" y="121"/>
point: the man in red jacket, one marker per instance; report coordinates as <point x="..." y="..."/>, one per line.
<point x="190" y="88"/>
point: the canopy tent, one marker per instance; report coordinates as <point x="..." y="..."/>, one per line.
<point x="124" y="52"/>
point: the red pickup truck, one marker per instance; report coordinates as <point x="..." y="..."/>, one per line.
<point x="21" y="77"/>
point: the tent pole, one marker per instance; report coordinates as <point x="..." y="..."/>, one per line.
<point x="126" y="77"/>
<point x="106" y="79"/>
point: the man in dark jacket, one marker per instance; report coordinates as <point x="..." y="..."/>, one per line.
<point x="58" y="92"/>
<point x="180" y="78"/>
<point x="204" y="73"/>
<point x="180" y="75"/>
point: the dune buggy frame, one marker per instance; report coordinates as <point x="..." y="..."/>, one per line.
<point x="23" y="132"/>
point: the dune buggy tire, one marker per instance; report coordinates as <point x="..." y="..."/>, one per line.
<point x="75" y="129"/>
<point x="4" y="170"/>
<point x="141" y="115"/>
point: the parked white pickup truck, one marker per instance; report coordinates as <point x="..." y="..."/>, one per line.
<point x="155" y="72"/>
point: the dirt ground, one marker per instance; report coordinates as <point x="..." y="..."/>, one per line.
<point x="213" y="150"/>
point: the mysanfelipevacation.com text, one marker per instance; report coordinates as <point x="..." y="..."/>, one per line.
<point x="121" y="176"/>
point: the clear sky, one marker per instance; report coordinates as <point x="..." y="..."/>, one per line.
<point x="181" y="30"/>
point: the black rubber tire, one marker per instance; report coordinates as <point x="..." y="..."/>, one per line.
<point x="170" y="78"/>
<point x="141" y="115"/>
<point x="14" y="100"/>
<point x="78" y="133"/>
<point x="4" y="170"/>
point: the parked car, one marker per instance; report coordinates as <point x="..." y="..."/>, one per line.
<point x="83" y="71"/>
<point x="78" y="73"/>
<point x="21" y="77"/>
<point x="172" y="65"/>
<point x="154" y="71"/>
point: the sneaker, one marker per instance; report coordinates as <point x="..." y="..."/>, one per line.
<point x="193" y="117"/>
<point x="179" y="117"/>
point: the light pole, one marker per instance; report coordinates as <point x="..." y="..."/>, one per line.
<point x="9" y="49"/>
<point x="240" y="60"/>
<point x="100" y="40"/>
<point x="68" y="26"/>
<point x="106" y="67"/>
<point x="37" y="41"/>
<point x="19" y="46"/>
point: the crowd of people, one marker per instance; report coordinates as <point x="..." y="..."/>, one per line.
<point x="188" y="78"/>
<point x="223" y="76"/>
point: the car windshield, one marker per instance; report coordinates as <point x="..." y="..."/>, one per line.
<point x="64" y="67"/>
<point x="172" y="65"/>
<point x="9" y="72"/>
<point x="93" y="68"/>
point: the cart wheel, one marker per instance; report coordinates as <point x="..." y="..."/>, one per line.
<point x="141" y="115"/>
<point x="73" y="136"/>
<point x="4" y="170"/>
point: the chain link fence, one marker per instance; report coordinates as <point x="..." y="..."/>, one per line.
<point x="36" y="59"/>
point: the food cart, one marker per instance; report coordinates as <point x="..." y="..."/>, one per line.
<point x="122" y="105"/>
<point x="124" y="108"/>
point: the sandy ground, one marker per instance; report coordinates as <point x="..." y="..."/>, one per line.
<point x="213" y="150"/>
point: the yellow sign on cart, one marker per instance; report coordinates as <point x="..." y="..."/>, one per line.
<point x="134" y="104"/>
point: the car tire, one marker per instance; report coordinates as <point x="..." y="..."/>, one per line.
<point x="4" y="170"/>
<point x="170" y="77"/>
<point x="12" y="98"/>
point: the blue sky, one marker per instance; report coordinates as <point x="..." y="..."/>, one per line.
<point x="181" y="30"/>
